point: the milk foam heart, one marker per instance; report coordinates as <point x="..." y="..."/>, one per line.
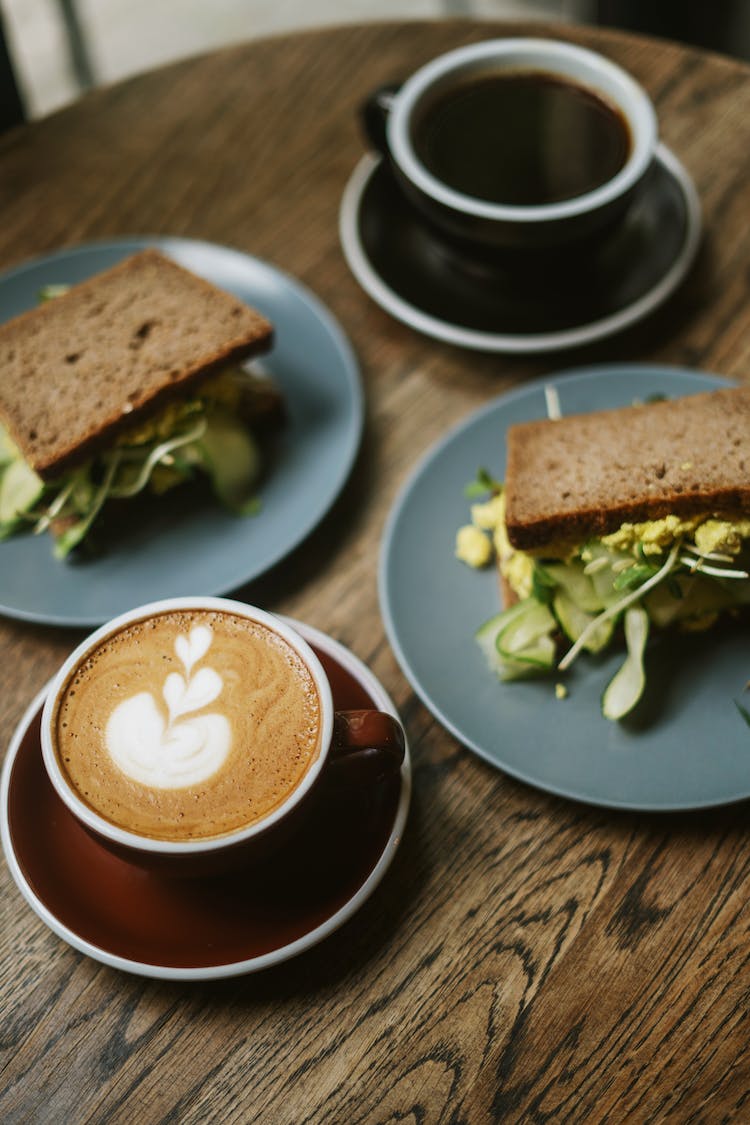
<point x="166" y="756"/>
<point x="163" y="752"/>
<point x="188" y="724"/>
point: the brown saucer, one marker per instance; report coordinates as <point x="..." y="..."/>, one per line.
<point x="200" y="928"/>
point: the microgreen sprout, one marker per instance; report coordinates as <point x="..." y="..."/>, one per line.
<point x="698" y="565"/>
<point x="158" y="455"/>
<point x="54" y="508"/>
<point x="617" y="608"/>
<point x="596" y="564"/>
<point x="713" y="556"/>
<point x="73" y="536"/>
<point x="552" y="402"/>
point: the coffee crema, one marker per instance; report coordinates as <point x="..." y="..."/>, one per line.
<point x="520" y="138"/>
<point x="188" y="725"/>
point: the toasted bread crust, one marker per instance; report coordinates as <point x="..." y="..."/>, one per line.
<point x="584" y="475"/>
<point x="79" y="369"/>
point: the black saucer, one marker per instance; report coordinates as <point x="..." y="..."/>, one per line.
<point x="526" y="304"/>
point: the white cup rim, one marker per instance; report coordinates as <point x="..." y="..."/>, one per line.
<point x="527" y="53"/>
<point x="202" y="846"/>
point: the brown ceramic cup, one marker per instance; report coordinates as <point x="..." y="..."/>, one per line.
<point x="355" y="748"/>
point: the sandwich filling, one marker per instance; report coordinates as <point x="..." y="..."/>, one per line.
<point x="207" y="432"/>
<point x="673" y="570"/>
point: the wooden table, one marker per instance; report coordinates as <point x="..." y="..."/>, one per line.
<point x="526" y="957"/>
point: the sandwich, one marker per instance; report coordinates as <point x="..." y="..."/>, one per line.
<point x="130" y="383"/>
<point x="610" y="524"/>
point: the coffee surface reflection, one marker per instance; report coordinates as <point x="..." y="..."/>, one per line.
<point x="520" y="138"/>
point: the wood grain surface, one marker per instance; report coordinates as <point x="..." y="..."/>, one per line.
<point x="526" y="958"/>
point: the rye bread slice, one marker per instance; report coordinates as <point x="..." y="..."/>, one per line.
<point x="81" y="367"/>
<point x="583" y="475"/>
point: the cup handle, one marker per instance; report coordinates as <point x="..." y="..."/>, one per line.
<point x="369" y="744"/>
<point x="374" y="115"/>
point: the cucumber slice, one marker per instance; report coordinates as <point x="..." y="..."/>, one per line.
<point x="487" y="634"/>
<point x="575" y="621"/>
<point x="518" y="642"/>
<point x="626" y="686"/>
<point x="542" y="585"/>
<point x="525" y="629"/>
<point x="20" y="488"/>
<point x="537" y="657"/>
<point x="578" y="586"/>
<point x="232" y="461"/>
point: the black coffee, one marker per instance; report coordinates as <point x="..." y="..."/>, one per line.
<point x="521" y="138"/>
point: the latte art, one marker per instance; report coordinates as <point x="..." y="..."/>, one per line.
<point x="171" y="753"/>
<point x="188" y="725"/>
<point x="163" y="756"/>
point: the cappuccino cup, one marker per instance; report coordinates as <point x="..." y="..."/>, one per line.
<point x="516" y="143"/>
<point x="192" y="734"/>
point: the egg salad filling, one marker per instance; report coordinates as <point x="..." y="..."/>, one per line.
<point x="204" y="433"/>
<point x="662" y="572"/>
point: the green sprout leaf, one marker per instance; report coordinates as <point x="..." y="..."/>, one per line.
<point x="633" y="577"/>
<point x="75" y="534"/>
<point x="483" y="483"/>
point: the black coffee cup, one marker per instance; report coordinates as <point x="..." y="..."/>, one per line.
<point x="431" y="129"/>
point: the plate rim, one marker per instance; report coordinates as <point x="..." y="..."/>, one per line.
<point x="350" y="366"/>
<point x="375" y="688"/>
<point x="567" y="376"/>
<point x="516" y="343"/>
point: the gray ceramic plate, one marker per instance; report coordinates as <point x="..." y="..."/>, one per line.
<point x="199" y="548"/>
<point x="685" y="747"/>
